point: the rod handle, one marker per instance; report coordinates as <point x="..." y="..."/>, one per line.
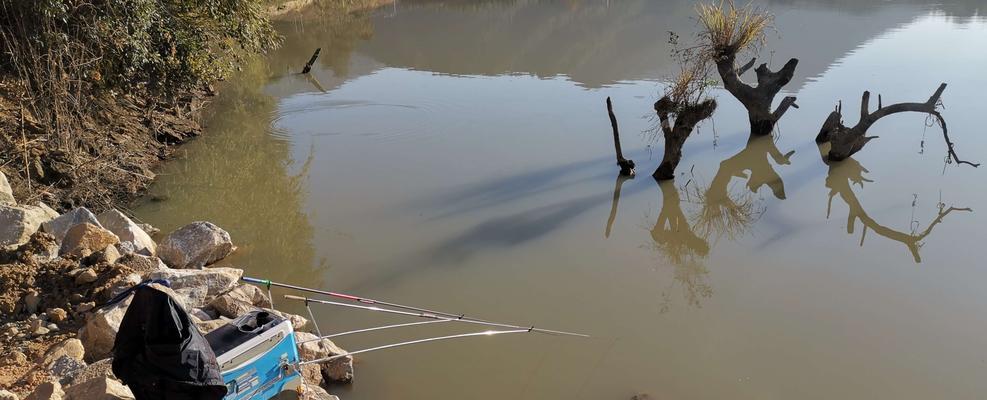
<point x="255" y="280"/>
<point x="290" y="297"/>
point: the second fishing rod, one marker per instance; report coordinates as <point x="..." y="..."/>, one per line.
<point x="425" y="311"/>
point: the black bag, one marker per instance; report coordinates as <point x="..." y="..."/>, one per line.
<point x="160" y="354"/>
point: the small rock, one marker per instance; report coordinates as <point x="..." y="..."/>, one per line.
<point x="34" y="323"/>
<point x="99" y="389"/>
<point x="57" y="315"/>
<point x="109" y="255"/>
<point x="87" y="276"/>
<point x="6" y="193"/>
<point x="85" y="238"/>
<point x="98" y="369"/>
<point x="65" y="368"/>
<point x="47" y="391"/>
<point x="239" y="301"/>
<point x="118" y="223"/>
<point x="85" y="307"/>
<point x="60" y="226"/>
<point x="338" y="370"/>
<point x="31" y="301"/>
<point x="40" y="331"/>
<point x="52" y="327"/>
<point x="5" y="395"/>
<point x="195" y="245"/>
<point x="199" y="286"/>
<point x="13" y="358"/>
<point x="70" y="347"/>
<point x="75" y="298"/>
<point x="18" y="223"/>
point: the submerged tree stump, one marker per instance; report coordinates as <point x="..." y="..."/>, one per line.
<point x="847" y="141"/>
<point x="686" y="117"/>
<point x="757" y="100"/>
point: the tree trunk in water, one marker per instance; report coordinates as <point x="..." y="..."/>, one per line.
<point x="673" y="154"/>
<point x="686" y="117"/>
<point x="847" y="141"/>
<point x="757" y="100"/>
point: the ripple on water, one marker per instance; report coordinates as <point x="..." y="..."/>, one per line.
<point x="321" y="116"/>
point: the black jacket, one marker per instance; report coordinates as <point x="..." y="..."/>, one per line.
<point x="160" y="354"/>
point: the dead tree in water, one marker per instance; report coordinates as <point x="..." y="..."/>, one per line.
<point x="626" y="166"/>
<point x="846" y="141"/>
<point x="729" y="31"/>
<point x="686" y="114"/>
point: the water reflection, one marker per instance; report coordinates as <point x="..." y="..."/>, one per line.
<point x="675" y="242"/>
<point x="242" y="179"/>
<point x="840" y="180"/>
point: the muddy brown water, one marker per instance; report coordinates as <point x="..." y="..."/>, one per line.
<point x="458" y="155"/>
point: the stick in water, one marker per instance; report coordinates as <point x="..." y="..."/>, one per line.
<point x="308" y="65"/>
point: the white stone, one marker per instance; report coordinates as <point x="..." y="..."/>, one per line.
<point x="18" y="223"/>
<point x="195" y="245"/>
<point x="199" y="286"/>
<point x="118" y="223"/>
<point x="101" y="328"/>
<point x="59" y="226"/>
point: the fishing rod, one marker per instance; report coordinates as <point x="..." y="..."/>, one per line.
<point x="364" y="300"/>
<point x="432" y="339"/>
<point x="431" y="317"/>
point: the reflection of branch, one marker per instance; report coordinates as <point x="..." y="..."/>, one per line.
<point x="672" y="234"/>
<point x="839" y="181"/>
<point x="615" y="201"/>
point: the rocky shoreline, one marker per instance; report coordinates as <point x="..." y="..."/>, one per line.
<point x="56" y="270"/>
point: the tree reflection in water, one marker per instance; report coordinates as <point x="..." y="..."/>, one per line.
<point x="682" y="239"/>
<point x="840" y="180"/>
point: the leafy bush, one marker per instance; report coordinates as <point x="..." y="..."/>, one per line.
<point x="70" y="51"/>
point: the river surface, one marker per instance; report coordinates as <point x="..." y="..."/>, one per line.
<point x="457" y="155"/>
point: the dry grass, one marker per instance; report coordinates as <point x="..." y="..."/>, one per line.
<point x="728" y="29"/>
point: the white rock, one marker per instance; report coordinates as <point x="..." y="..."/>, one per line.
<point x="195" y="245"/>
<point x="65" y="368"/>
<point x="6" y="395"/>
<point x="118" y="223"/>
<point x="99" y="389"/>
<point x="199" y="285"/>
<point x="18" y="223"/>
<point x="101" y="328"/>
<point x="58" y="227"/>
<point x="6" y="193"/>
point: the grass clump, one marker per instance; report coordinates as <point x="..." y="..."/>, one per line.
<point x="728" y="29"/>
